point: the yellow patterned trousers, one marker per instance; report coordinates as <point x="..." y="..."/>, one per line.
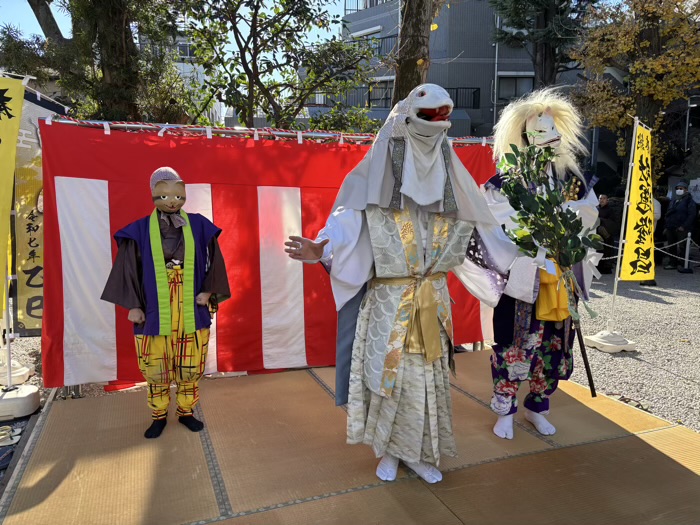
<point x="178" y="357"/>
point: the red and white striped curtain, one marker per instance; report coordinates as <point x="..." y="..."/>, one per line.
<point x="282" y="313"/>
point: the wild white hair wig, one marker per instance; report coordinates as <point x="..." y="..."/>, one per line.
<point x="510" y="128"/>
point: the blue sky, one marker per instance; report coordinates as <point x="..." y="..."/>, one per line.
<point x="19" y="14"/>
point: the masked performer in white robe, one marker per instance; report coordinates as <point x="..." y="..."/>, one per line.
<point x="532" y="326"/>
<point x="407" y="214"/>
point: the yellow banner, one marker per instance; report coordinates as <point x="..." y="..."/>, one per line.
<point x="638" y="254"/>
<point x="11" y="100"/>
<point x="29" y="218"/>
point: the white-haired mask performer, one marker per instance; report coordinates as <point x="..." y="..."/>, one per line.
<point x="532" y="327"/>
<point x="170" y="274"/>
<point x="404" y="216"/>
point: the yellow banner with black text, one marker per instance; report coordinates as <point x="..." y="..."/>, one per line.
<point x="11" y="100"/>
<point x="638" y="253"/>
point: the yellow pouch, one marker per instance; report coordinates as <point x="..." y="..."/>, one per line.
<point x="552" y="300"/>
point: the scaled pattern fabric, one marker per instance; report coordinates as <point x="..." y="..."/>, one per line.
<point x="399" y="401"/>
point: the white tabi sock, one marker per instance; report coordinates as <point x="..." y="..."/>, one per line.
<point x="428" y="472"/>
<point x="504" y="427"/>
<point x="387" y="468"/>
<point x="543" y="426"/>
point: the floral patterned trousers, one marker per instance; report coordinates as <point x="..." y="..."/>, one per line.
<point x="534" y="351"/>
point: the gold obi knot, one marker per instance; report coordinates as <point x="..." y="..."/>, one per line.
<point x="423" y="330"/>
<point x="552" y="300"/>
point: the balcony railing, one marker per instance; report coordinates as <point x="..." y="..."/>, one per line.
<point x="353" y="6"/>
<point x="183" y="51"/>
<point x="465" y="98"/>
<point x="380" y="98"/>
<point x="383" y="46"/>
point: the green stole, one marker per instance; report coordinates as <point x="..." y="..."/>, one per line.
<point x="162" y="287"/>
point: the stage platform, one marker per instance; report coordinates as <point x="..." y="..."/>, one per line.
<point x="273" y="452"/>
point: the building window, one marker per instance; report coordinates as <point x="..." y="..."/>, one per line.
<point x="514" y="87"/>
<point x="353" y="6"/>
<point x="185" y="52"/>
<point x="380" y="94"/>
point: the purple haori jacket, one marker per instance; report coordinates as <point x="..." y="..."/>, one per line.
<point x="203" y="231"/>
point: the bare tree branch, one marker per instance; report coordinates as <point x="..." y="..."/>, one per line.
<point x="47" y="22"/>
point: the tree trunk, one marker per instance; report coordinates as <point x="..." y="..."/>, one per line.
<point x="544" y="55"/>
<point x="117" y="55"/>
<point x="47" y="22"/>
<point x="118" y="61"/>
<point x="414" y="47"/>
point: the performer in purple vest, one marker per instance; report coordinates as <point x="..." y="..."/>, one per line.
<point x="170" y="274"/>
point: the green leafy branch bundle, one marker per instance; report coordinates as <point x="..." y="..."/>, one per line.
<point x="542" y="220"/>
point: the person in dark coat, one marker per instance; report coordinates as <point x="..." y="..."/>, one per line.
<point x="170" y="275"/>
<point x="679" y="221"/>
<point x="608" y="228"/>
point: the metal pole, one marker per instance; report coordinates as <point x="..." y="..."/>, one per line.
<point x="398" y="33"/>
<point x="611" y="321"/>
<point x="363" y="137"/>
<point x="8" y="330"/>
<point x="77" y="391"/>
<point x="495" y="77"/>
<point x="686" y="267"/>
<point x="595" y="137"/>
<point x="687" y="125"/>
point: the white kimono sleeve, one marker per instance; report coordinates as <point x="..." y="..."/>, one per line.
<point x="587" y="209"/>
<point x="489" y="258"/>
<point x="348" y="253"/>
<point x="523" y="279"/>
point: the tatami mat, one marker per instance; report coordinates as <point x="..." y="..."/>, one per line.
<point x="406" y="502"/>
<point x="625" y="481"/>
<point x="279" y="438"/>
<point x="581" y="418"/>
<point x="680" y="445"/>
<point x="327" y="375"/>
<point x="578" y="417"/>
<point x="274" y="449"/>
<point x="472" y="424"/>
<point x="93" y="466"/>
<point x="473" y="374"/>
<point x="476" y="443"/>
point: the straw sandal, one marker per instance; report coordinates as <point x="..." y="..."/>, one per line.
<point x="9" y="430"/>
<point x="9" y="438"/>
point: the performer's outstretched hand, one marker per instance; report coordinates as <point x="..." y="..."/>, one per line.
<point x="303" y="249"/>
<point x="202" y="299"/>
<point x="137" y="316"/>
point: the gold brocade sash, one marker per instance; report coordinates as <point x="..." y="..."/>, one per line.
<point x="423" y="331"/>
<point x="552" y="300"/>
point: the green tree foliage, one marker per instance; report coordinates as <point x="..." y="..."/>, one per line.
<point x="547" y="29"/>
<point x="24" y="55"/>
<point x="653" y="47"/>
<point x="345" y="119"/>
<point x="101" y="70"/>
<point x="259" y="56"/>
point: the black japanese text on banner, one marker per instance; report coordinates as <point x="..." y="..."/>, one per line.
<point x="11" y="99"/>
<point x="638" y="254"/>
